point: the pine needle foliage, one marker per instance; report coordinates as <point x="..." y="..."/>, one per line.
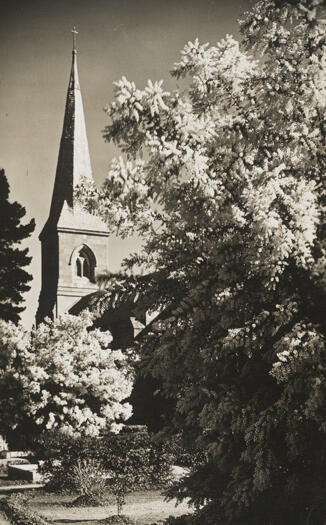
<point x="13" y="278"/>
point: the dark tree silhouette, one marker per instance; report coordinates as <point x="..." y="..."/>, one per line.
<point x="13" y="278"/>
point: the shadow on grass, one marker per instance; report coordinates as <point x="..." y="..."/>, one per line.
<point x="113" y="520"/>
<point x="78" y="521"/>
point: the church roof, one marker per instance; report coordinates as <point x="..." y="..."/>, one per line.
<point x="73" y="164"/>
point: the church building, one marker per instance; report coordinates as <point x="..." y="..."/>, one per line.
<point x="75" y="249"/>
<point x="74" y="242"/>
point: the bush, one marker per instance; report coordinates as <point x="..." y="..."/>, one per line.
<point x="88" y="480"/>
<point x="15" y="509"/>
<point x="130" y="453"/>
<point x="133" y="453"/>
<point x="119" y="518"/>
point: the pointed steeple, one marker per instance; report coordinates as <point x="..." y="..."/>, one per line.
<point x="74" y="242"/>
<point x="74" y="160"/>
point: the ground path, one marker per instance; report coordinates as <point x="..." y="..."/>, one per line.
<point x="144" y="508"/>
<point x="5" y="490"/>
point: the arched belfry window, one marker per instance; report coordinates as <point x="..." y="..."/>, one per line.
<point x="84" y="263"/>
<point x="86" y="269"/>
<point x="79" y="268"/>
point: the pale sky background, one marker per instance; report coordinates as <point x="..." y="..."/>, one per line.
<point x="140" y="39"/>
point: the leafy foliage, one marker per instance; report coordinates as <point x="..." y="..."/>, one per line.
<point x="62" y="376"/>
<point x="120" y="485"/>
<point x="130" y="457"/>
<point x="87" y="478"/>
<point x="183" y="452"/>
<point x="225" y="181"/>
<point x="18" y="512"/>
<point x="13" y="278"/>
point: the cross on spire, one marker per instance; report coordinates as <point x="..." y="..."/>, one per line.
<point x="74" y="34"/>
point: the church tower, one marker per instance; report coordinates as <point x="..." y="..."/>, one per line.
<point x="74" y="242"/>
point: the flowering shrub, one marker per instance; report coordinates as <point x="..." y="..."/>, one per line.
<point x="62" y="376"/>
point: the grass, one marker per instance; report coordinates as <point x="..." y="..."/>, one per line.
<point x="143" y="508"/>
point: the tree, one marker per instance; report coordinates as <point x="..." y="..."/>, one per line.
<point x="225" y="181"/>
<point x="62" y="376"/>
<point x="13" y="279"/>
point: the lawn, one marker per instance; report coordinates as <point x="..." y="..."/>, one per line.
<point x="144" y="508"/>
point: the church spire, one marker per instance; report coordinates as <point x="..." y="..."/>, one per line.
<point x="74" y="34"/>
<point x="74" y="160"/>
<point x="74" y="241"/>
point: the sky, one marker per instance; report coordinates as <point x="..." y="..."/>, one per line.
<point x="139" y="39"/>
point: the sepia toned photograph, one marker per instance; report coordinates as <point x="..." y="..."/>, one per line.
<point x="163" y="262"/>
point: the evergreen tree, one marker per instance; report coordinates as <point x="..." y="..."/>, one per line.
<point x="13" y="278"/>
<point x="226" y="183"/>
